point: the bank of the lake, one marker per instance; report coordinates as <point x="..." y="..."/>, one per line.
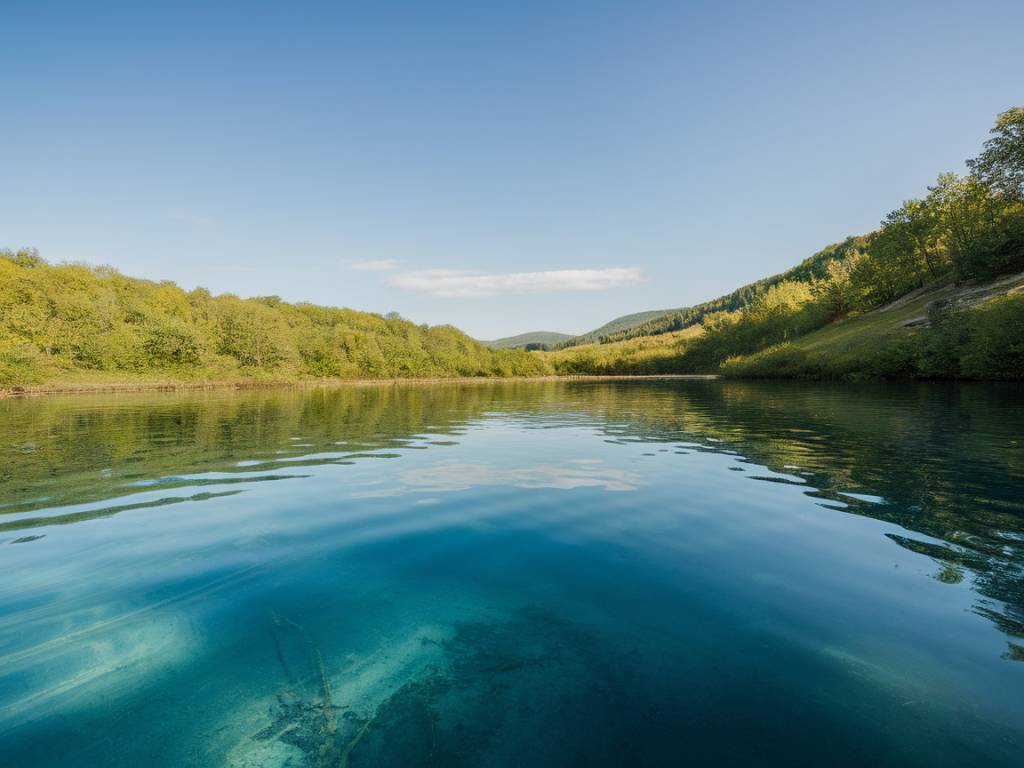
<point x="104" y="386"/>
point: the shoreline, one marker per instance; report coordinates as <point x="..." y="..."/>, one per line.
<point x="86" y="388"/>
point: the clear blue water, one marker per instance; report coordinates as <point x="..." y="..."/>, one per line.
<point x="514" y="574"/>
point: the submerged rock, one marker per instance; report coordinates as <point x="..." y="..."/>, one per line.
<point x="467" y="696"/>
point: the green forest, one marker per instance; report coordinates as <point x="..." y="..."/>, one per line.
<point x="75" y="323"/>
<point x="934" y="292"/>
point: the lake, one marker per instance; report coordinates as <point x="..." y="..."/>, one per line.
<point x="514" y="574"/>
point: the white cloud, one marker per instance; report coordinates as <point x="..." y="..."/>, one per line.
<point x="459" y="476"/>
<point x="447" y="283"/>
<point x="378" y="265"/>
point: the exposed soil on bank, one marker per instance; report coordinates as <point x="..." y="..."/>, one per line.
<point x="174" y="386"/>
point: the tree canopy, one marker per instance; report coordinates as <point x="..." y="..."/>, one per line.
<point x="58" y="319"/>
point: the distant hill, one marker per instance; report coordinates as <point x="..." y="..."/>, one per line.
<point x="659" y="321"/>
<point x="547" y="338"/>
<point x="618" y="325"/>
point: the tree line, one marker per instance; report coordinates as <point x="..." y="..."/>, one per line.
<point x="59" y="320"/>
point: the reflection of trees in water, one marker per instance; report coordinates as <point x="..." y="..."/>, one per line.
<point x="947" y="460"/>
<point x="71" y="450"/>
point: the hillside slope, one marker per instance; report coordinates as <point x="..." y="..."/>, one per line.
<point x="72" y="323"/>
<point x="658" y="321"/>
<point x="944" y="330"/>
<point x="932" y="293"/>
<point x="667" y="321"/>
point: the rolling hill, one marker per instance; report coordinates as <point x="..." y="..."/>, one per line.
<point x="72" y="324"/>
<point x="547" y="338"/>
<point x="618" y="325"/>
<point x="623" y="324"/>
<point x="656" y="322"/>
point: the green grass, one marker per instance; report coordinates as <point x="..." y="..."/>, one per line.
<point x="886" y="325"/>
<point x="645" y="355"/>
<point x="981" y="337"/>
<point x="898" y="340"/>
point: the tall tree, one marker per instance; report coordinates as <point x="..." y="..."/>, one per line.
<point x="1001" y="163"/>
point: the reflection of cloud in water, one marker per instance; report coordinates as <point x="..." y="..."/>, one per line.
<point x="461" y="476"/>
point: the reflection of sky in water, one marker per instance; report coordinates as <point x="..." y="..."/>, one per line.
<point x="461" y="476"/>
<point x="605" y="582"/>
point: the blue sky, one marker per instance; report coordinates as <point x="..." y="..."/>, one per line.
<point x="500" y="166"/>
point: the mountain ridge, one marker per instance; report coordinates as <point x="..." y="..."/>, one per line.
<point x="530" y="338"/>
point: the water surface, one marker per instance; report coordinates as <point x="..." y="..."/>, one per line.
<point x="509" y="574"/>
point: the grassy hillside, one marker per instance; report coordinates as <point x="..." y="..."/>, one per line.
<point x="661" y="321"/>
<point x="647" y="355"/>
<point x="970" y="331"/>
<point x="72" y="323"/>
<point x="973" y="331"/>
<point x="931" y="293"/>
<point x="658" y="321"/>
<point x="531" y="340"/>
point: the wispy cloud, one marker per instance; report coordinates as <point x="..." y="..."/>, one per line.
<point x="447" y="283"/>
<point x="378" y="265"/>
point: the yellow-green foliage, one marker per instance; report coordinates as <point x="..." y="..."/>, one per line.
<point x="784" y="335"/>
<point x="985" y="341"/>
<point x="782" y="311"/>
<point x="642" y="356"/>
<point x="56" y="321"/>
<point x="967" y="228"/>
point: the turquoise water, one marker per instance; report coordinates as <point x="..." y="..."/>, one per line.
<point x="510" y="574"/>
